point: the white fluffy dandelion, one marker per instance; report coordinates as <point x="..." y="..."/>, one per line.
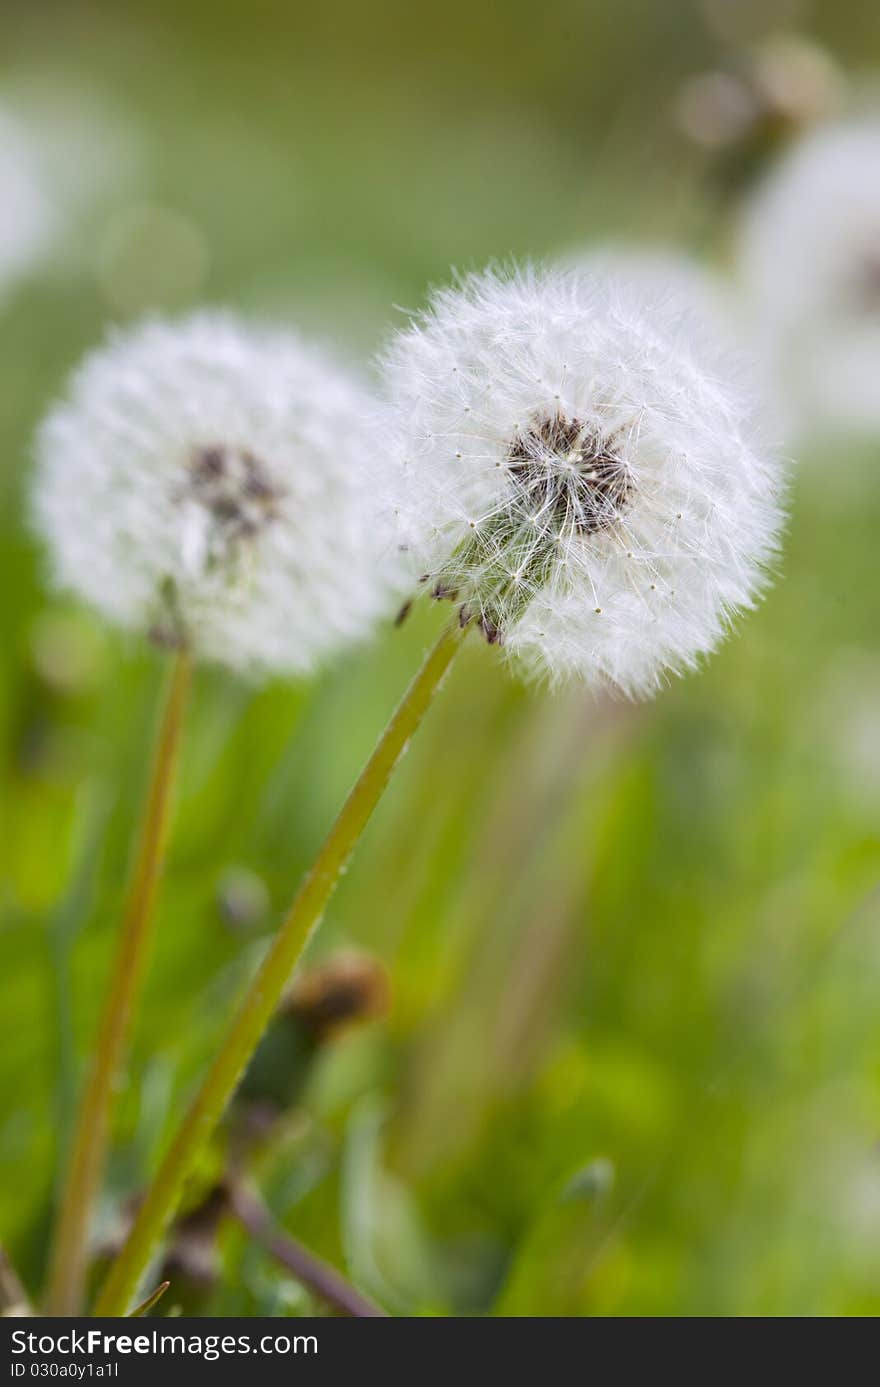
<point x="210" y="483"/>
<point x="810" y="263"/>
<point x="579" y="475"/>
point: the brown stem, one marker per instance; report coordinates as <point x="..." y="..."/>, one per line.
<point x="312" y="1271"/>
<point x="88" y="1152"/>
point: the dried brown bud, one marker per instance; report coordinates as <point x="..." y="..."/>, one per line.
<point x="347" y="988"/>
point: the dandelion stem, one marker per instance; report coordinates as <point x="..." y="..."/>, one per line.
<point x="311" y="1270"/>
<point x="89" y="1145"/>
<point x="264" y="992"/>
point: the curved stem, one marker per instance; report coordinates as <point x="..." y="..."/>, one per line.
<point x="152" y="1299"/>
<point x="265" y="990"/>
<point x="88" y="1150"/>
<point x="308" y="1268"/>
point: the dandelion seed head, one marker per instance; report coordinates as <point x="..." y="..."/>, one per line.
<point x="588" y="483"/>
<point x="63" y="154"/>
<point x="207" y="481"/>
<point x="809" y="254"/>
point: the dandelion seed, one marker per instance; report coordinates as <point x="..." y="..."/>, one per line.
<point x="210" y="483"/>
<point x="810" y="263"/>
<point x="638" y="466"/>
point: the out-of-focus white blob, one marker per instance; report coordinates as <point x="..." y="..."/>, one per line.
<point x="809" y="257"/>
<point x="796" y="80"/>
<point x="65" y="155"/>
<point x="714" y="109"/>
<point x="92" y="153"/>
<point x="29" y="219"/>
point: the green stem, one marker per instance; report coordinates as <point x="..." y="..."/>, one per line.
<point x="264" y="992"/>
<point x="90" y="1139"/>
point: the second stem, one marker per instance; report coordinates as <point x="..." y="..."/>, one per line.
<point x="89" y="1146"/>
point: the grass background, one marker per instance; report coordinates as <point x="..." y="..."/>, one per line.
<point x="632" y="1065"/>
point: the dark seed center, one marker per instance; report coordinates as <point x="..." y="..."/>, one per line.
<point x="235" y="487"/>
<point x="568" y="475"/>
<point x="565" y="479"/>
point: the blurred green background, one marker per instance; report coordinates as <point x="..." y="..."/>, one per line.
<point x="632" y="1061"/>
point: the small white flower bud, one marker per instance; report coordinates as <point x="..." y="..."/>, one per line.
<point x="210" y="483"/>
<point x="579" y="475"/>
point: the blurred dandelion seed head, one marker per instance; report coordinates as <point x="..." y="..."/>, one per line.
<point x="809" y="257"/>
<point x="579" y="473"/>
<point x="233" y="498"/>
<point x="208" y="481"/>
<point x="29" y="221"/>
<point x="66" y="155"/>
